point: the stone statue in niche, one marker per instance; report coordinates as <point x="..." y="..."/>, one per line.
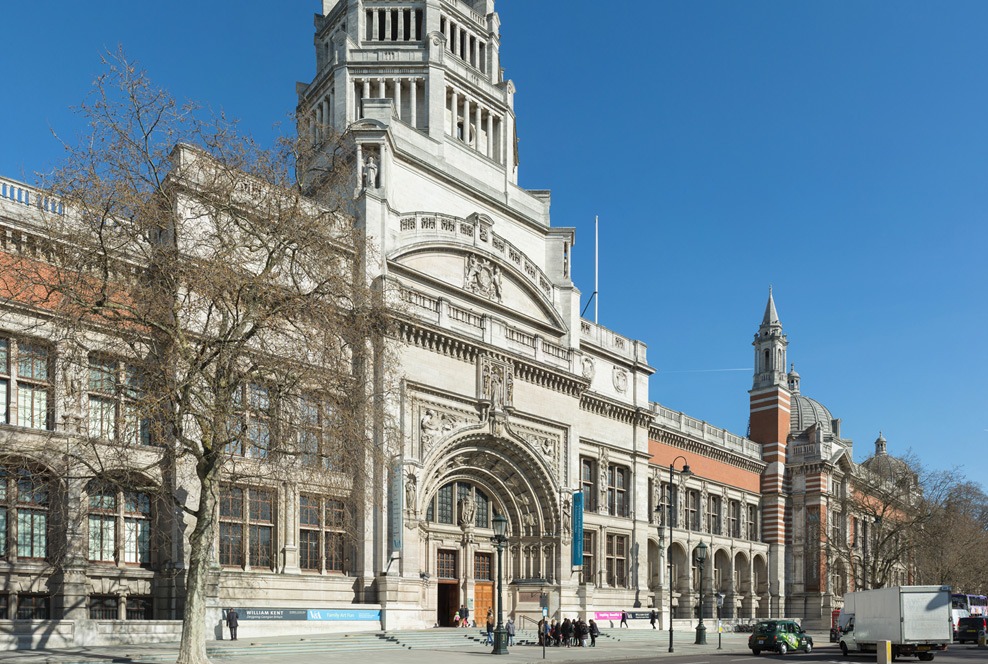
<point x="467" y="511"/>
<point x="483" y="278"/>
<point x="370" y="173"/>
<point x="497" y="383"/>
<point x="410" y="482"/>
<point x="567" y="518"/>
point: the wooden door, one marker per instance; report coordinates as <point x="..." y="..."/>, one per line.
<point x="483" y="601"/>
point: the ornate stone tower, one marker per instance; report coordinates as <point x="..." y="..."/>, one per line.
<point x="428" y="66"/>
<point x="769" y="424"/>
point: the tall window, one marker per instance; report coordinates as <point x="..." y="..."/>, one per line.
<point x="119" y="525"/>
<point x="693" y="509"/>
<point x="322" y="534"/>
<point x="446" y="564"/>
<point x="102" y="524"/>
<point x="25" y="513"/>
<point x="588" y="483"/>
<point x="115" y="392"/>
<point x="251" y="435"/>
<point x="482" y="567"/>
<point x="589" y="563"/>
<point x="752" y="522"/>
<point x="734" y="518"/>
<point x="315" y="416"/>
<point x="617" y="561"/>
<point x="713" y="514"/>
<point x="31" y="387"/>
<point x="104" y="607"/>
<point x="246" y="525"/>
<point x="617" y="491"/>
<point x="670" y="503"/>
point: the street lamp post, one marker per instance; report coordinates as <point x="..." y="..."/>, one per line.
<point x="658" y="509"/>
<point x="500" y="538"/>
<point x="701" y="630"/>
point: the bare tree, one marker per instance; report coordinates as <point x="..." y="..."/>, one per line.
<point x="889" y="505"/>
<point x="948" y="545"/>
<point x="238" y="297"/>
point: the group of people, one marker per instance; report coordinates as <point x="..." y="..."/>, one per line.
<point x="569" y="633"/>
<point x="462" y="617"/>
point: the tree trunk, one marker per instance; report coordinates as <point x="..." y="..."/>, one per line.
<point x="192" y="648"/>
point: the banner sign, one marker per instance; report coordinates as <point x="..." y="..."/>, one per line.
<point x="616" y="615"/>
<point x="577" y="529"/>
<point x="309" y="614"/>
<point x="396" y="493"/>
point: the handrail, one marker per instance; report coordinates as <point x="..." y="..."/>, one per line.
<point x="522" y="618"/>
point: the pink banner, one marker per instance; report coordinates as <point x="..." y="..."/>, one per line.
<point x="607" y="615"/>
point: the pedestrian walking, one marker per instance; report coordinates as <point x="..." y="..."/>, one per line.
<point x="582" y="632"/>
<point x="490" y="629"/>
<point x="594" y="633"/>
<point x="510" y="627"/>
<point x="567" y="632"/>
<point x="232" y="621"/>
<point x="624" y="619"/>
<point x="652" y="617"/>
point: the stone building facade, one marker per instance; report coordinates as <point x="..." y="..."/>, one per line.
<point x="510" y="403"/>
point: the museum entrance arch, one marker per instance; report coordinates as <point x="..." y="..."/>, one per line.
<point x="466" y="482"/>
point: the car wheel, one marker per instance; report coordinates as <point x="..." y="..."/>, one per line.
<point x="783" y="648"/>
<point x="808" y="647"/>
<point x="926" y="656"/>
<point x="843" y="649"/>
<point x="756" y="652"/>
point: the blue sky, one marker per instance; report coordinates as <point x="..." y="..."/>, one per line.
<point x="835" y="150"/>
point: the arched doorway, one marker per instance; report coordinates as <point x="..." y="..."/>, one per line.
<point x="467" y="481"/>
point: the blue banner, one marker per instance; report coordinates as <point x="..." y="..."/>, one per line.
<point x="577" y="528"/>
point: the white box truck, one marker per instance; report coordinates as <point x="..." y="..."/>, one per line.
<point x="915" y="620"/>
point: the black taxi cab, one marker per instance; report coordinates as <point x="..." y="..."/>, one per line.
<point x="779" y="636"/>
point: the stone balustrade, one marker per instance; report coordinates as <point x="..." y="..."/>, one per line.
<point x="695" y="428"/>
<point x="22" y="193"/>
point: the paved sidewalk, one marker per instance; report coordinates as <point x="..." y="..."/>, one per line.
<point x="629" y="644"/>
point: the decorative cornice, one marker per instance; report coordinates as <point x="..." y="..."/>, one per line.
<point x="441" y="341"/>
<point x="674" y="439"/>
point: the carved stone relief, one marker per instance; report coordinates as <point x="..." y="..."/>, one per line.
<point x="496" y="383"/>
<point x="482" y="277"/>
<point x="589" y="368"/>
<point x="620" y="380"/>
<point x="435" y="425"/>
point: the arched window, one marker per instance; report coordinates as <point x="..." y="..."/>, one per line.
<point x="119" y="525"/>
<point x="23" y="514"/>
<point x="445" y="509"/>
<point x="768" y="365"/>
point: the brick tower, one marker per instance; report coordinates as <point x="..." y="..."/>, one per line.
<point x="768" y="423"/>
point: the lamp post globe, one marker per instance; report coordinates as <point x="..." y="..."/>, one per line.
<point x="701" y="630"/>
<point x="500" y="525"/>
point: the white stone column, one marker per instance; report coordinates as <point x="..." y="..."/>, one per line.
<point x="401" y="24"/>
<point x="466" y="120"/>
<point x="413" y="101"/>
<point x="490" y="135"/>
<point x="381" y="89"/>
<point x="475" y="52"/>
<point x="366" y="92"/>
<point x="373" y="25"/>
<point x="387" y="25"/>
<point x="476" y="134"/>
<point x="454" y="111"/>
<point x="397" y="83"/>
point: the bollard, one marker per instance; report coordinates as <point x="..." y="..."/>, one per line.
<point x="884" y="652"/>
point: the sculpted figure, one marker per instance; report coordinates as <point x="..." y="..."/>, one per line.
<point x="370" y="173"/>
